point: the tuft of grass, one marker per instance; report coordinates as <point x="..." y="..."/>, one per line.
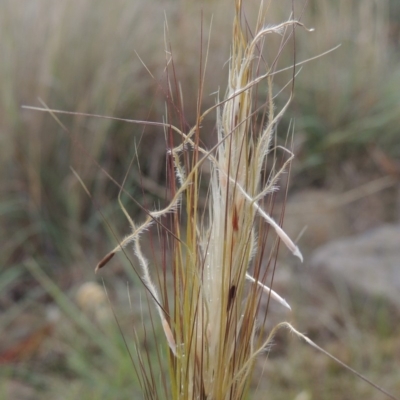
<point x="212" y="321"/>
<point x="76" y="59"/>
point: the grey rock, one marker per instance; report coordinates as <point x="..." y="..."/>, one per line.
<point x="369" y="263"/>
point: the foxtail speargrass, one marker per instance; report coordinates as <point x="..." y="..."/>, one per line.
<point x="211" y="318"/>
<point x="211" y="329"/>
<point x="210" y="311"/>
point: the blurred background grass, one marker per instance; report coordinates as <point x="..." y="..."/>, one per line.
<point x="83" y="56"/>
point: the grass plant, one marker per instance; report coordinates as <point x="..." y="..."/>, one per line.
<point x="212" y="318"/>
<point x="212" y="321"/>
<point x="213" y="287"/>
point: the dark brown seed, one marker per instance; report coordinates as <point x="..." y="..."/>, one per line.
<point x="104" y="261"/>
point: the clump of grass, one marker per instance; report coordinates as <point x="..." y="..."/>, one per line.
<point x="212" y="320"/>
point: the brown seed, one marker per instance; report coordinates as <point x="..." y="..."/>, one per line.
<point x="104" y="261"/>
